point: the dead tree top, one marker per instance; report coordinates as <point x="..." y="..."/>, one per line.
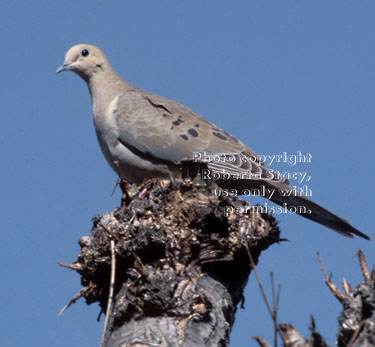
<point x="177" y="254"/>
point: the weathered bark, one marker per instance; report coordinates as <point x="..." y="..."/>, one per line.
<point x="181" y="264"/>
<point x="357" y="319"/>
<point x="292" y="338"/>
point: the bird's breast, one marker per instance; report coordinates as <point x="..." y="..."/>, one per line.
<point x="131" y="166"/>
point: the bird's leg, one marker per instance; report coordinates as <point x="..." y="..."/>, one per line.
<point x="145" y="185"/>
<point x="142" y="194"/>
<point x="125" y="197"/>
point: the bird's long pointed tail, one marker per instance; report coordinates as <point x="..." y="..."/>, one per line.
<point x="309" y="209"/>
<point x="300" y="204"/>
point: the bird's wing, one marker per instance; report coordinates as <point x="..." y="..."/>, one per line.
<point x="165" y="130"/>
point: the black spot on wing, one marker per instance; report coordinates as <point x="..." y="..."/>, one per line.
<point x="220" y="136"/>
<point x="193" y="132"/>
<point x="184" y="137"/>
<point x="178" y="121"/>
<point x="196" y="125"/>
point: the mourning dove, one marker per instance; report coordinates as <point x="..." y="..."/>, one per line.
<point x="143" y="135"/>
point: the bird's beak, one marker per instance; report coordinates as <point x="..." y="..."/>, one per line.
<point x="64" y="67"/>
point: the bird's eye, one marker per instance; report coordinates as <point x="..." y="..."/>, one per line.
<point x="85" y="52"/>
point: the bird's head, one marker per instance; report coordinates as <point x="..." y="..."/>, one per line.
<point x="85" y="60"/>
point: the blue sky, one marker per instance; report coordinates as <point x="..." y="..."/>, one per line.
<point x="280" y="75"/>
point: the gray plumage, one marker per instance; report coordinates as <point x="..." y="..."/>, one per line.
<point x="150" y="136"/>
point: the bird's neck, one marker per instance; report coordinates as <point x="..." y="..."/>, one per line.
<point x="104" y="86"/>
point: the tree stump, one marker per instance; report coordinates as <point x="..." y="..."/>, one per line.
<point x="182" y="263"/>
